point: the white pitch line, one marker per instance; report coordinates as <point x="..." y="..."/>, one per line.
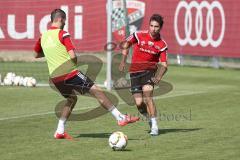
<point x="38" y="114"/>
<point x="121" y="103"/>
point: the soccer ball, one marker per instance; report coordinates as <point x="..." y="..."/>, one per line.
<point x="31" y="82"/>
<point x="10" y="75"/>
<point x="118" y="141"/>
<point x="16" y="80"/>
<point x="21" y="81"/>
<point x="25" y="80"/>
<point x="7" y="81"/>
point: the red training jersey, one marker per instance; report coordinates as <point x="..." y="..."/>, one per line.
<point x="147" y="51"/>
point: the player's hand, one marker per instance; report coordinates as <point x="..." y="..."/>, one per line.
<point x="122" y="66"/>
<point x="155" y="80"/>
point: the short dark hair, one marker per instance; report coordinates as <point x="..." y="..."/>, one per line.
<point x="158" y="18"/>
<point x="57" y="13"/>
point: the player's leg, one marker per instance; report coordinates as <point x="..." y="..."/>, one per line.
<point x="148" y="87"/>
<point x="148" y="98"/>
<point x="107" y="104"/>
<point x="71" y="99"/>
<point x="141" y="106"/>
<point x="69" y="105"/>
<point x="65" y="113"/>
<point x="100" y="96"/>
<point x="136" y="90"/>
<point x="84" y="84"/>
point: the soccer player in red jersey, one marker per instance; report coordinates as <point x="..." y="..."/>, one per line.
<point x="56" y="46"/>
<point x="149" y="64"/>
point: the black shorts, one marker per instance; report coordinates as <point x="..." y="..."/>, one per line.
<point x="140" y="79"/>
<point x="79" y="83"/>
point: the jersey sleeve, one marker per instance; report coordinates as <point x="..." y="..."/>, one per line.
<point x="163" y="56"/>
<point x="163" y="52"/>
<point x="164" y="46"/>
<point x="65" y="39"/>
<point x="38" y="47"/>
<point x="132" y="38"/>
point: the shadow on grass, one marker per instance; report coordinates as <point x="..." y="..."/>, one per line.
<point x="105" y="135"/>
<point x="124" y="150"/>
<point x="93" y="135"/>
<point x="165" y="131"/>
<point x="161" y="131"/>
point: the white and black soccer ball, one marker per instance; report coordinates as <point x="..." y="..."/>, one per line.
<point x="16" y="80"/>
<point x="7" y="81"/>
<point x="21" y="81"/>
<point x="10" y="76"/>
<point x="118" y="141"/>
<point x="30" y="82"/>
<point x="25" y="79"/>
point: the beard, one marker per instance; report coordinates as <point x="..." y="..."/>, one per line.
<point x="155" y="34"/>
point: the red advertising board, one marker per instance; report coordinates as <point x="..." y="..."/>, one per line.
<point x="22" y="21"/>
<point x="194" y="27"/>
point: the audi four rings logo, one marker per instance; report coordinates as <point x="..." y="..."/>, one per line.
<point x="188" y="25"/>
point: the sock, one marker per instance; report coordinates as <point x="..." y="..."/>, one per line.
<point x="61" y="125"/>
<point x="115" y="112"/>
<point x="154" y="122"/>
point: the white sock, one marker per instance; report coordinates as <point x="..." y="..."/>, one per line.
<point x="61" y="125"/>
<point x="154" y="122"/>
<point x="115" y="112"/>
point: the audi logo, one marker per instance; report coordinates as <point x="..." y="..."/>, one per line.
<point x="199" y="28"/>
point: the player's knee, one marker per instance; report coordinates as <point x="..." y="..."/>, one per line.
<point x="148" y="101"/>
<point x="98" y="94"/>
<point x="72" y="99"/>
<point x="95" y="89"/>
<point x="147" y="91"/>
<point x="139" y="102"/>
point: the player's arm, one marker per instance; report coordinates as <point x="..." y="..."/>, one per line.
<point x="162" y="68"/>
<point x="66" y="41"/>
<point x="38" y="49"/>
<point x="126" y="45"/>
<point x="125" y="50"/>
<point x="73" y="56"/>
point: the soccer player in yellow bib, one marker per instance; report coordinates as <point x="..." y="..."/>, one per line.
<point x="56" y="46"/>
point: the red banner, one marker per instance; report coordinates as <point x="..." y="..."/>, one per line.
<point x="23" y="21"/>
<point x="194" y="27"/>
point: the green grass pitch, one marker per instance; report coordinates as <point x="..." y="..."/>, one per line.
<point x="199" y="120"/>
